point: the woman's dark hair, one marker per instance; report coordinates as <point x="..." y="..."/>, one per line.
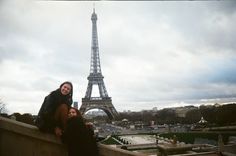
<point x="77" y="111"/>
<point x="70" y="95"/>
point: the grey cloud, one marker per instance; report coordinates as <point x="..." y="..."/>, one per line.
<point x="228" y="7"/>
<point x="150" y="51"/>
<point x="12" y="49"/>
<point x="224" y="74"/>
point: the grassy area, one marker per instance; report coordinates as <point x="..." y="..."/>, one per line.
<point x="190" y="137"/>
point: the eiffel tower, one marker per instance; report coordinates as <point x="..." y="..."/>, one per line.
<point x="95" y="77"/>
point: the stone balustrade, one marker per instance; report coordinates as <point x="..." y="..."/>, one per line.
<point x="20" y="139"/>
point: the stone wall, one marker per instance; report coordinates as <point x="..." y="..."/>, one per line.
<point x="106" y="150"/>
<point x="20" y="139"/>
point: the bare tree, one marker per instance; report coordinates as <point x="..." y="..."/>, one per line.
<point x="2" y="107"/>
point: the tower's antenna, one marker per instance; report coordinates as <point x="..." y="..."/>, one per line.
<point x="94" y="7"/>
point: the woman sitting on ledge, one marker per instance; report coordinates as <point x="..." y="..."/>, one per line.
<point x="79" y="139"/>
<point x="52" y="116"/>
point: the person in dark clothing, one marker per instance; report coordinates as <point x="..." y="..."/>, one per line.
<point x="89" y="125"/>
<point x="79" y="141"/>
<point x="53" y="114"/>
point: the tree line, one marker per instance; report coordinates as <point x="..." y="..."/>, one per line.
<point x="219" y="115"/>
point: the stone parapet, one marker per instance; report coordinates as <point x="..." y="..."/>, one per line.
<point x="20" y="139"/>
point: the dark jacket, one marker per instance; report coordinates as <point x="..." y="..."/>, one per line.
<point x="79" y="140"/>
<point x="45" y="120"/>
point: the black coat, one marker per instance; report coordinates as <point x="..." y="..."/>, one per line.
<point x="45" y="120"/>
<point x="79" y="140"/>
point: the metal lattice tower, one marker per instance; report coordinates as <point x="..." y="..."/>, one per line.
<point x="96" y="78"/>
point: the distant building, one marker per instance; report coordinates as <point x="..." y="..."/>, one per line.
<point x="76" y="104"/>
<point x="154" y="109"/>
<point x="217" y="105"/>
<point x="202" y="121"/>
<point x="182" y="111"/>
<point x="94" y="113"/>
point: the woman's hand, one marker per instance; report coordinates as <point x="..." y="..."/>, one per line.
<point x="58" y="131"/>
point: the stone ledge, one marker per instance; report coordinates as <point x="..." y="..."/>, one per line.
<point x="20" y="139"/>
<point x="106" y="150"/>
<point x="27" y="130"/>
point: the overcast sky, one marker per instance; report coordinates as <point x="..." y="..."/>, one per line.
<point x="153" y="53"/>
